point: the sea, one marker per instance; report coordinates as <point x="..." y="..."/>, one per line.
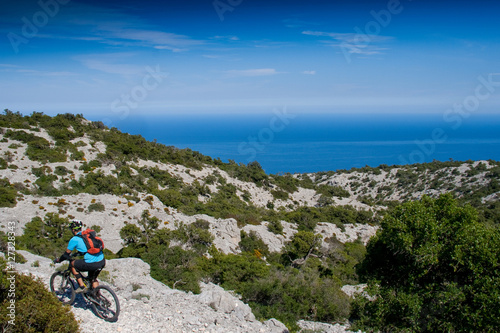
<point x="283" y="142"/>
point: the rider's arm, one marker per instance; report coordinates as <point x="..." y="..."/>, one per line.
<point x="65" y="256"/>
<point x="70" y="248"/>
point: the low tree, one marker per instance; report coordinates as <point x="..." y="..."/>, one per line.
<point x="432" y="268"/>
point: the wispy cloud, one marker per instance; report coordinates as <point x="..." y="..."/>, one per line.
<point x="9" y="68"/>
<point x="253" y="72"/>
<point x="309" y="72"/>
<point x="98" y="24"/>
<point x="228" y="38"/>
<point x="111" y="63"/>
<point x="353" y="43"/>
<point x="149" y="38"/>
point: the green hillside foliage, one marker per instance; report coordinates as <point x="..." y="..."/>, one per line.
<point x="274" y="284"/>
<point x="36" y="309"/>
<point x="432" y="268"/>
<point x="8" y="194"/>
<point x="48" y="237"/>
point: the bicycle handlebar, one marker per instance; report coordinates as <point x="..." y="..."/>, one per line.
<point x="72" y="256"/>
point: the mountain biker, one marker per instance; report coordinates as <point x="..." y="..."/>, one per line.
<point x="90" y="262"/>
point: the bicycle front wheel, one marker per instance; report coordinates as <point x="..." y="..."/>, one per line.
<point x="105" y="303"/>
<point x="62" y="287"/>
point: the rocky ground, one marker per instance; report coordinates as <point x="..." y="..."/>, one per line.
<point x="150" y="306"/>
<point x="119" y="212"/>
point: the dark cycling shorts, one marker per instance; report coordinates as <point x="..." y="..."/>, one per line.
<point x="83" y="266"/>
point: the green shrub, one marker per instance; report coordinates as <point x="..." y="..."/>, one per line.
<point x="253" y="244"/>
<point x="96" y="228"/>
<point x="14" y="146"/>
<point x="432" y="267"/>
<point x="275" y="227"/>
<point x="38" y="148"/>
<point x="20" y="259"/>
<point x="36" y="309"/>
<point x="96" y="207"/>
<point x="337" y="191"/>
<point x="293" y="294"/>
<point x="174" y="266"/>
<point x="48" y="237"/>
<point x="62" y="170"/>
<point x="279" y="195"/>
<point x="8" y="194"/>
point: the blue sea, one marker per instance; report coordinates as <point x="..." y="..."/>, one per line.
<point x="283" y="142"/>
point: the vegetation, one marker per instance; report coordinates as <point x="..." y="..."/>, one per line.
<point x="48" y="237"/>
<point x="302" y="282"/>
<point x="432" y="267"/>
<point x="36" y="309"/>
<point x="8" y="194"/>
<point x="96" y="207"/>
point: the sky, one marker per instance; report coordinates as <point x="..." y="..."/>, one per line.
<point x="116" y="58"/>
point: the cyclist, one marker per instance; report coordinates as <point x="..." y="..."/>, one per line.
<point x="90" y="262"/>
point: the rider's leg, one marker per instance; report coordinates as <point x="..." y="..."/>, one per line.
<point x="77" y="275"/>
<point x="93" y="277"/>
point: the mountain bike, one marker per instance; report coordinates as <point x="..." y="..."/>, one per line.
<point x="102" y="299"/>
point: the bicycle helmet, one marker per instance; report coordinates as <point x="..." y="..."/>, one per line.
<point x="76" y="225"/>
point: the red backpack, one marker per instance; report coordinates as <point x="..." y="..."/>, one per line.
<point x="94" y="244"/>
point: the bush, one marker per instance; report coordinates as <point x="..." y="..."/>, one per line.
<point x="8" y="194"/>
<point x="48" y="237"/>
<point x="279" y="195"/>
<point x="62" y="170"/>
<point x="96" y="207"/>
<point x="336" y="191"/>
<point x="253" y="244"/>
<point x="37" y="310"/>
<point x="432" y="267"/>
<point x="293" y="294"/>
<point x="275" y="227"/>
<point x="174" y="266"/>
<point x="38" y="147"/>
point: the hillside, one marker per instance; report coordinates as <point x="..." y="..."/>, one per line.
<point x="68" y="167"/>
<point x="150" y="306"/>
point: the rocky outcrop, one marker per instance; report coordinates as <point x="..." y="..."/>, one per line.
<point x="148" y="305"/>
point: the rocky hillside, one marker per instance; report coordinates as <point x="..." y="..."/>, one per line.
<point x="100" y="176"/>
<point x="69" y="167"/>
<point x="150" y="306"/>
<point x="69" y="186"/>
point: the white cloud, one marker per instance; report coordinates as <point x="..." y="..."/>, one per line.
<point x="353" y="43"/>
<point x="309" y="72"/>
<point x="157" y="39"/>
<point x="103" y="25"/>
<point x="253" y="72"/>
<point x="111" y="63"/>
<point x="231" y="38"/>
<point x="8" y="68"/>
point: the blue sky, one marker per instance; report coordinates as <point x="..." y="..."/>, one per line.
<point x="114" y="58"/>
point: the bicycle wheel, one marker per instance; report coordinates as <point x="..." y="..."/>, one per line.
<point x="105" y="303"/>
<point x="62" y="287"/>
